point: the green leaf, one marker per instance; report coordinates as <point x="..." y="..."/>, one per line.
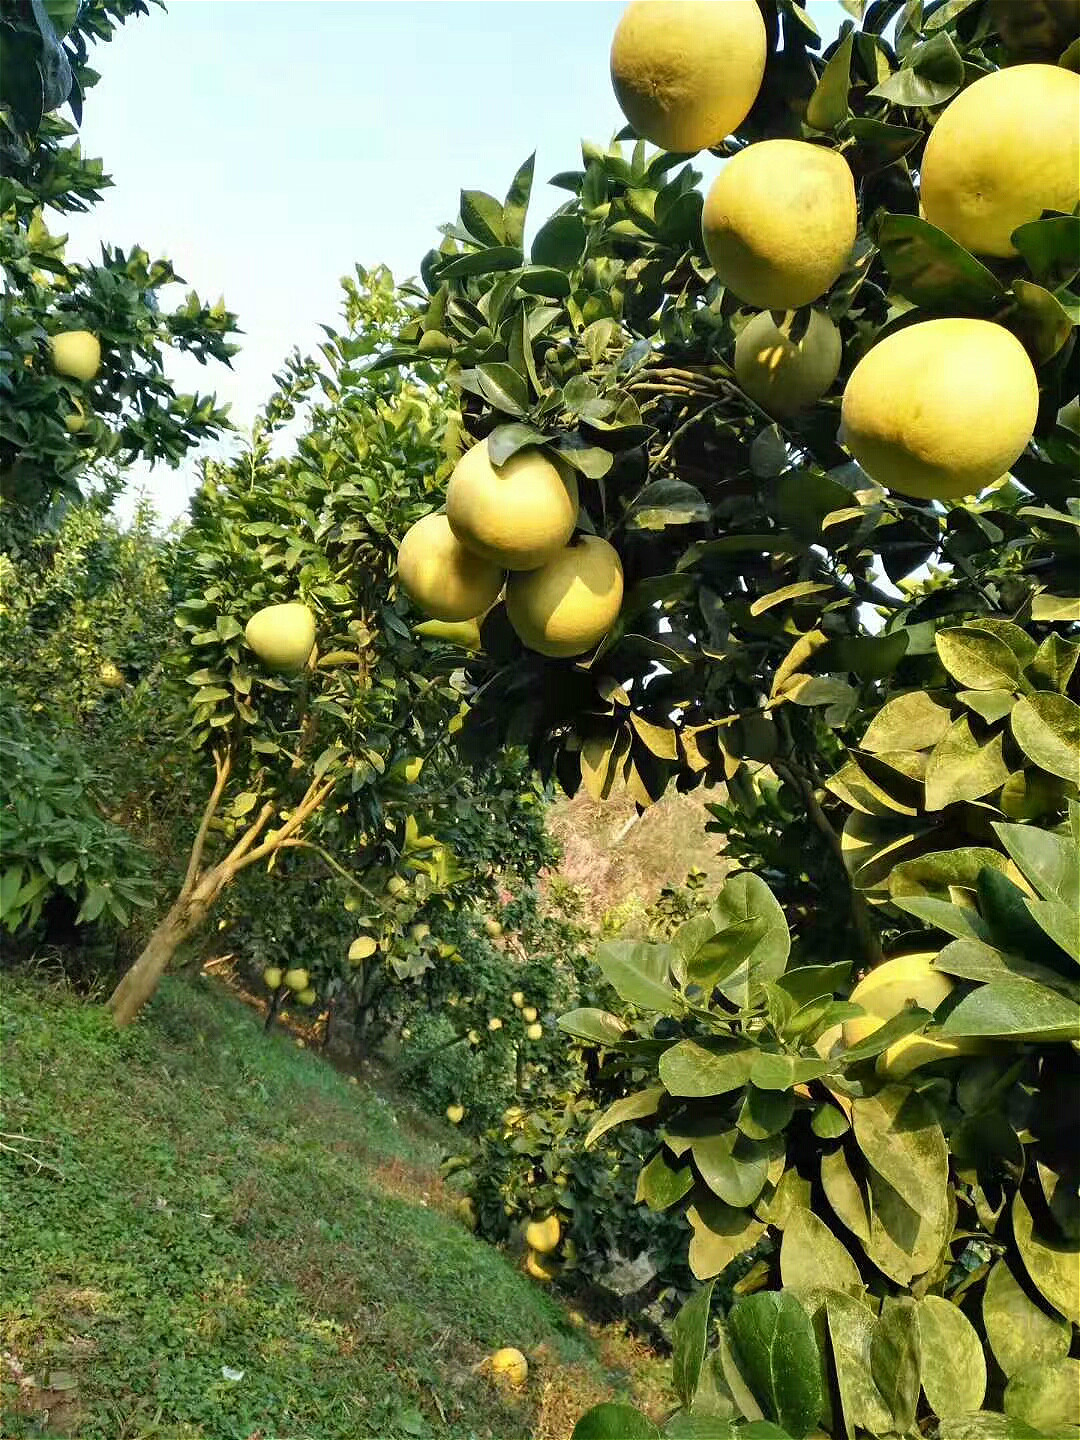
<point x="1054" y="662"/>
<point x="631" y="1107"/>
<point x="662" y="1183"/>
<point x="1015" y="1009"/>
<point x="986" y="1425"/>
<point x="932" y="73"/>
<point x="953" y="1367"/>
<point x="797" y="591"/>
<point x="989" y="705"/>
<point x="915" y="721"/>
<point x="228" y="627"/>
<point x="895" y="1361"/>
<point x="640" y="973"/>
<point x="735" y="1168"/>
<point x="930" y="269"/>
<point x="560" y="242"/>
<point x="1053" y="1264"/>
<point x="1048" y="861"/>
<point x="812" y="1258"/>
<point x="775" y="1348"/>
<point x="1055" y="607"/>
<point x="482" y="216"/>
<point x="828" y="105"/>
<point x="667" y="502"/>
<point x="504" y="387"/>
<point x="780" y="1072"/>
<point x="938" y="872"/>
<point x="960" y="768"/>
<point x="598" y="1026"/>
<point x="753" y="933"/>
<point x="847" y="1196"/>
<point x="1051" y="248"/>
<point x="481" y="262"/>
<point x="851" y="1326"/>
<point x="516" y="206"/>
<point x="614" y="1422"/>
<point x="689" y="1332"/>
<point x="1020" y="1331"/>
<point x="901" y="1138"/>
<point x="977" y="659"/>
<point x="972" y="960"/>
<point x="1042" y="322"/>
<point x="1046" y="726"/>
<point x="907" y="1022"/>
<point x="764" y="1112"/>
<point x="1046" y="1394"/>
<point x="507" y="440"/>
<point x="696" y="1070"/>
<point x="720" y="1233"/>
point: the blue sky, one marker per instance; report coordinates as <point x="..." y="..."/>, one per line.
<point x="266" y="146"/>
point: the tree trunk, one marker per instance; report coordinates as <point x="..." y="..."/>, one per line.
<point x="141" y="980"/>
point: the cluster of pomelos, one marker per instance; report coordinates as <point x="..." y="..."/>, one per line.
<point x="297" y="981"/>
<point x="509" y="529"/>
<point x="935" y="410"/>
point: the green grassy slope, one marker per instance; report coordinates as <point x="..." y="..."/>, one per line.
<point x="226" y="1202"/>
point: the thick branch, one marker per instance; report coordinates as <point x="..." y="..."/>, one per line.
<point x="222" y="766"/>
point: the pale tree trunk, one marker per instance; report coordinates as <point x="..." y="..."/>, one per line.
<point x="201" y="888"/>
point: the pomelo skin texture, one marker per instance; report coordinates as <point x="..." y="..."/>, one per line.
<point x="511" y="1365"/>
<point x="1006" y="149"/>
<point x="282" y="635"/>
<point x="444" y="579"/>
<point x="686" y="72"/>
<point x="779" y="223"/>
<point x="76" y="353"/>
<point x="516" y="515"/>
<point x="941" y="409"/>
<point x="783" y="376"/>
<point x="569" y="606"/>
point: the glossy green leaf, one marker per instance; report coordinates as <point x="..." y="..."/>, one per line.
<point x="631" y="1107"/>
<point x="698" y="1069"/>
<point x="1051" y="248"/>
<point x="901" y="1138"/>
<point x="764" y="1112"/>
<point x="977" y="659"/>
<point x="960" y="768"/>
<point x="828" y="105"/>
<point x="812" y="1258"/>
<point x="752" y="935"/>
<point x="775" y="1348"/>
<point x="1016" y="1009"/>
<point x="598" y="1026"/>
<point x="615" y="1422"/>
<point x="667" y="502"/>
<point x="915" y="721"/>
<point x="851" y="1325"/>
<point x="640" y="972"/>
<point x="720" y="1233"/>
<point x="662" y="1182"/>
<point x="1046" y="1394"/>
<point x="560" y="242"/>
<point x="689" y="1332"/>
<point x="931" y="270"/>
<point x="735" y="1168"/>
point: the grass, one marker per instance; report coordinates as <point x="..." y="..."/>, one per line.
<point x="227" y="1239"/>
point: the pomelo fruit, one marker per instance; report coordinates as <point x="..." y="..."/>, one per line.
<point x="420" y="931"/>
<point x="307" y="995"/>
<point x="1036" y="29"/>
<point x="539" y="1267"/>
<point x="75" y="421"/>
<point x="783" y="375"/>
<point x="543" y="1235"/>
<point x="272" y="977"/>
<point x="440" y="576"/>
<point x="942" y="408"/>
<point x="511" y="1365"/>
<point x="528" y="1014"/>
<point x="76" y="353"/>
<point x="779" y="223"/>
<point x="494" y="1023"/>
<point x="455" y="1113"/>
<point x="570" y="604"/>
<point x="534" y="1031"/>
<point x="686" y="72"/>
<point x="492" y="927"/>
<point x="466" y="1212"/>
<point x="296" y="980"/>
<point x="111" y="676"/>
<point x="517" y="999"/>
<point x="892" y="985"/>
<point x="515" y="516"/>
<point x="282" y="636"/>
<point x="1006" y="149"/>
<point x="397" y="885"/>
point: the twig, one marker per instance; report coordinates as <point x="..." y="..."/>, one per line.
<point x="34" y="1160"/>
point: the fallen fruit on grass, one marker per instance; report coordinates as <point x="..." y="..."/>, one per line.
<point x="511" y="1365"/>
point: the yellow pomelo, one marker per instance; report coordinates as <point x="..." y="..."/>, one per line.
<point x="782" y="375"/>
<point x="543" y="1235"/>
<point x="362" y="948"/>
<point x="912" y="1051"/>
<point x="493" y="928"/>
<point x="296" y="979"/>
<point x="779" y="223"/>
<point x="539" y="1268"/>
<point x="686" y="72"/>
<point x="511" y="1365"/>
<point x="406" y="1033"/>
<point x="465" y="633"/>
<point x="474" y="1037"/>
<point x="517" y="515"/>
<point x="494" y="1023"/>
<point x="271" y="977"/>
<point x="111" y="676"/>
<point x="466" y="1212"/>
<point x="1006" y="149"/>
<point x="568" y="606"/>
<point x="528" y="1014"/>
<point x="455" y="1114"/>
<point x="444" y="579"/>
<point x="282" y="636"/>
<point x="517" y="999"/>
<point x="307" y="995"/>
<point x="941" y="409"/>
<point x="893" y="985"/>
<point x="76" y="353"/>
<point x="412" y="769"/>
<point x="534" y="1032"/>
<point x="420" y="931"/>
<point x="75" y="421"/>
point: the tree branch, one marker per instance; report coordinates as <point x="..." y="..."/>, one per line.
<point x="222" y="767"/>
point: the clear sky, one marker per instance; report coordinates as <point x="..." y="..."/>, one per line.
<point x="265" y="146"/>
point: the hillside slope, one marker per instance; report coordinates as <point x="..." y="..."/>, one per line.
<point x="227" y="1240"/>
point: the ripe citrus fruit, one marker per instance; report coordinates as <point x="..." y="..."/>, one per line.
<point x="111" y="676"/>
<point x="686" y="72"/>
<point x="543" y="1235"/>
<point x="516" y="515"/>
<point x="307" y="995"/>
<point x="517" y="999"/>
<point x="534" y="1031"/>
<point x="444" y="579"/>
<point x="942" y="408"/>
<point x="296" y="980"/>
<point x="1036" y="29"/>
<point x="570" y="604"/>
<point x="784" y="375"/>
<point x="271" y="977"/>
<point x="466" y="1212"/>
<point x="539" y="1267"/>
<point x="492" y="927"/>
<point x="282" y="636"/>
<point x="511" y="1365"/>
<point x="528" y="1014"/>
<point x="76" y="353"/>
<point x="454" y="1113"/>
<point x="890" y="986"/>
<point x="779" y="223"/>
<point x="494" y="1023"/>
<point x="1006" y="149"/>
